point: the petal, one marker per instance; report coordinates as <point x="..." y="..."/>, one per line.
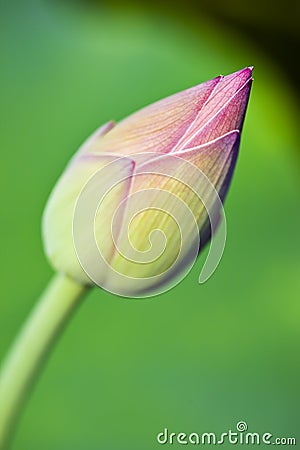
<point x="216" y="159"/>
<point x="95" y="137"/>
<point x="158" y="127"/>
<point x="168" y="208"/>
<point x="82" y="180"/>
<point x="223" y="111"/>
<point x="184" y="120"/>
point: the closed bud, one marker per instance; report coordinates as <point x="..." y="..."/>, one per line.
<point x="140" y="198"/>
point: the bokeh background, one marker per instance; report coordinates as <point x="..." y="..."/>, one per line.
<point x="197" y="358"/>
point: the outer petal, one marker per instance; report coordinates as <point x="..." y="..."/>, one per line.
<point x="87" y="146"/>
<point x="184" y="120"/>
<point x="216" y="159"/>
<point x="59" y="213"/>
<point x="169" y="193"/>
<point x="158" y="127"/>
<point x="223" y="111"/>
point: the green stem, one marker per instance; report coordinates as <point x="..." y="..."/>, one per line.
<point x="31" y="347"/>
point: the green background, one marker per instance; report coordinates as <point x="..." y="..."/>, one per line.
<point x="197" y="358"/>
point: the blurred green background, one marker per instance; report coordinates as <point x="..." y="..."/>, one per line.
<point x="197" y="358"/>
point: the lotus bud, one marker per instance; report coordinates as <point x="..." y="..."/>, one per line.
<point x="134" y="204"/>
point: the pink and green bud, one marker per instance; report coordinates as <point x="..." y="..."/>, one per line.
<point x="130" y="208"/>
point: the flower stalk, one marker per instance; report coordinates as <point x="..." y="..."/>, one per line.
<point x="34" y="342"/>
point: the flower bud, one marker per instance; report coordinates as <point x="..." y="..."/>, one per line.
<point x="129" y="210"/>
